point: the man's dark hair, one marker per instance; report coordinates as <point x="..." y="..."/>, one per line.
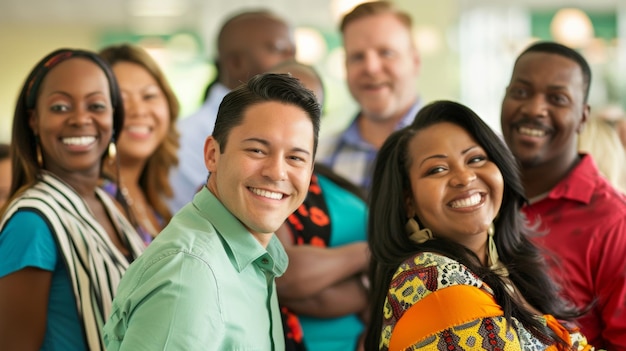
<point x="265" y="87"/>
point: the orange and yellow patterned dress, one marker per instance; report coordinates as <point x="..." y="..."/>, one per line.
<point x="447" y="307"/>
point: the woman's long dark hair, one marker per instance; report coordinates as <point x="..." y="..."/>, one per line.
<point x="390" y="245"/>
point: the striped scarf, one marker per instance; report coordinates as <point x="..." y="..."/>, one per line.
<point x="94" y="264"/>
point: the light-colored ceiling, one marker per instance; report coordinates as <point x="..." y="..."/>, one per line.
<point x="130" y="13"/>
<point x="119" y="13"/>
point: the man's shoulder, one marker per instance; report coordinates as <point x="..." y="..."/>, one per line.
<point x="187" y="234"/>
<point x="605" y="195"/>
<point x="205" y="115"/>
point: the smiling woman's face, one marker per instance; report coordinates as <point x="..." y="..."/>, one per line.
<point x="147" y="116"/>
<point x="456" y="191"/>
<point x="73" y="117"/>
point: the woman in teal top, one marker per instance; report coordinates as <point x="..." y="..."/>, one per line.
<point x="63" y="242"/>
<point x="326" y="236"/>
<point x="321" y="293"/>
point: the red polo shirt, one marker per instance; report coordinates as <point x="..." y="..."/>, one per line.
<point x="585" y="221"/>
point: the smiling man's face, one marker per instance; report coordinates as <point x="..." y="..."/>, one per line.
<point x="544" y="109"/>
<point x="263" y="173"/>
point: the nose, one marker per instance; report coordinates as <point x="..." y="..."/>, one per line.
<point x="134" y="107"/>
<point x="462" y="177"/>
<point x="537" y="106"/>
<point x="289" y="53"/>
<point x="372" y="62"/>
<point x="81" y="116"/>
<point x="275" y="168"/>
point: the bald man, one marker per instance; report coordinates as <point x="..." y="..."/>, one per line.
<point x="248" y="43"/>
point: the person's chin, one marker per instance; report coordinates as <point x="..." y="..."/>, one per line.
<point x="529" y="160"/>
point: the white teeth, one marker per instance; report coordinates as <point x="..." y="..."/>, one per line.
<point x="138" y="129"/>
<point x="471" y="201"/>
<point x="532" y="132"/>
<point x="86" y="140"/>
<point x="267" y="194"/>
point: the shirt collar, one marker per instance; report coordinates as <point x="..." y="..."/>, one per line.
<point x="410" y="116"/>
<point x="579" y="184"/>
<point x="244" y="248"/>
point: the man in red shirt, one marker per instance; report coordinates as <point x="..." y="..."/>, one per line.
<point x="583" y="217"/>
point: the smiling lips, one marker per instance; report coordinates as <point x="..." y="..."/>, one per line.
<point x="268" y="194"/>
<point x="138" y="130"/>
<point x="473" y="200"/>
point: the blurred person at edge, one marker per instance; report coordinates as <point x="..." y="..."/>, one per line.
<point x="601" y="140"/>
<point x="64" y="243"/>
<point x="382" y="65"/>
<point x="322" y="295"/>
<point x="5" y="173"/>
<point x="147" y="146"/>
<point x="248" y="43"/>
<point x="583" y="217"/>
<point x="615" y="116"/>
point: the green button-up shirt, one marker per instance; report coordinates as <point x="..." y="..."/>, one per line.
<point x="205" y="283"/>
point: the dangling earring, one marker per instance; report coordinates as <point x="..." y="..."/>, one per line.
<point x="417" y="234"/>
<point x="494" y="259"/>
<point x="112" y="151"/>
<point x="38" y="153"/>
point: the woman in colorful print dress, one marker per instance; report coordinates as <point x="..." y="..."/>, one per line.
<point x="452" y="266"/>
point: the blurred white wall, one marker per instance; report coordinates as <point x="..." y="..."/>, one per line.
<point x="467" y="46"/>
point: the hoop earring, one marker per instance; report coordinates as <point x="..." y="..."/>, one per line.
<point x="112" y="153"/>
<point x="494" y="259"/>
<point x="38" y="154"/>
<point x="417" y="234"/>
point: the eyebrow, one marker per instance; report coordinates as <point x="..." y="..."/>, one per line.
<point x="267" y="143"/>
<point x="64" y="93"/>
<point x="550" y="87"/>
<point x="441" y="156"/>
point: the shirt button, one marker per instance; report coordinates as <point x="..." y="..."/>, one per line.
<point x="265" y="261"/>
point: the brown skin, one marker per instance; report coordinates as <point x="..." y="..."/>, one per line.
<point x="543" y="112"/>
<point x="323" y="282"/>
<point x="5" y="180"/>
<point x="313" y="269"/>
<point x="74" y="101"/>
<point x="25" y="302"/>
<point x="251" y="45"/>
<point x="456" y="191"/>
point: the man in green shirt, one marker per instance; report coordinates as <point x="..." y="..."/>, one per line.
<point x="207" y="280"/>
